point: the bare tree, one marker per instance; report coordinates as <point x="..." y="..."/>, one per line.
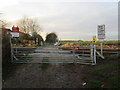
<point x="3" y="23"/>
<point x="29" y="25"/>
<point x="34" y="26"/>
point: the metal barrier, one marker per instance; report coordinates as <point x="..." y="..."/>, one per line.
<point x="87" y="56"/>
<point x="53" y="54"/>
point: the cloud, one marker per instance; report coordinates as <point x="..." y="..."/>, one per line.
<point x="83" y="23"/>
<point x="70" y="20"/>
<point x="7" y="3"/>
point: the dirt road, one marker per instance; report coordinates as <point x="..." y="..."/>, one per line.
<point x="53" y="76"/>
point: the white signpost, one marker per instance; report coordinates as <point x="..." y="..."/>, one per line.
<point x="101" y="32"/>
<point x="15" y="34"/>
<point x="101" y="35"/>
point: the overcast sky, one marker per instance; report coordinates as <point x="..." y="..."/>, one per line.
<point x="70" y="19"/>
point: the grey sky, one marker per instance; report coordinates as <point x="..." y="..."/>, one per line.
<point x="70" y="20"/>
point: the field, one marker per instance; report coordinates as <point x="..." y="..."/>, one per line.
<point x="88" y="42"/>
<point x="106" y="44"/>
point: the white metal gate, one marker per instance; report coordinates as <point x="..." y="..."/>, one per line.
<point x="53" y="54"/>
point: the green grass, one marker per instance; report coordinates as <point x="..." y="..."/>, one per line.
<point x="75" y="42"/>
<point x="109" y="66"/>
<point x="112" y="82"/>
<point x="28" y="58"/>
<point x="107" y="74"/>
<point x="115" y="81"/>
<point x="104" y="70"/>
<point x="68" y="62"/>
<point x="71" y="63"/>
<point x="100" y="74"/>
<point x="112" y="41"/>
<point x="88" y="42"/>
<point x="95" y="84"/>
<point x="45" y="62"/>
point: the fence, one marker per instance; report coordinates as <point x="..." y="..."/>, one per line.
<point x="53" y="54"/>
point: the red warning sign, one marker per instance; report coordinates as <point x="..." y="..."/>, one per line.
<point x="15" y="29"/>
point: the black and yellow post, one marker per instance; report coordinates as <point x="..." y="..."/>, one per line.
<point x="94" y="41"/>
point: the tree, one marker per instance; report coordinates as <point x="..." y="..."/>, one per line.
<point x="24" y="36"/>
<point x="29" y="25"/>
<point x="51" y="38"/>
<point x="3" y="23"/>
<point x="37" y="38"/>
<point x="40" y="40"/>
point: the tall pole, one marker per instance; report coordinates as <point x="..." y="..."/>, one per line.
<point x="94" y="53"/>
<point x="101" y="44"/>
<point x="94" y="50"/>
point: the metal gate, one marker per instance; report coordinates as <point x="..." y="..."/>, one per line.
<point x="54" y="54"/>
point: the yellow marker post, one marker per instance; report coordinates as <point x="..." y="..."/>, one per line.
<point x="94" y="50"/>
<point x="94" y="40"/>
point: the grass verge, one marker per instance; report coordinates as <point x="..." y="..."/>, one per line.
<point x="105" y="76"/>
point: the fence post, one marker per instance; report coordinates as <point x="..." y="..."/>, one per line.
<point x="93" y="54"/>
<point x="11" y="50"/>
<point x="74" y="54"/>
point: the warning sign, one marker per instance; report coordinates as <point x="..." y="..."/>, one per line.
<point x="94" y="40"/>
<point x="15" y="29"/>
<point x="101" y="32"/>
<point x="15" y="32"/>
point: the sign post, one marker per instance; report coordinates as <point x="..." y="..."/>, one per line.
<point x="101" y="45"/>
<point x="94" y="41"/>
<point x="101" y="36"/>
<point x="15" y="32"/>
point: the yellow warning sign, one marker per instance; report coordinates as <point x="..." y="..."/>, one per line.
<point x="94" y="40"/>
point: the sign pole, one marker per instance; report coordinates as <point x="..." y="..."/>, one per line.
<point x="101" y="44"/>
<point x="92" y="53"/>
<point x="94" y="41"/>
<point x="95" y="54"/>
<point x="101" y="36"/>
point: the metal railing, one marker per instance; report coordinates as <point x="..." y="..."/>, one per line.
<point x="53" y="55"/>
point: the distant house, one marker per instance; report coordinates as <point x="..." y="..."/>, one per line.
<point x="23" y="38"/>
